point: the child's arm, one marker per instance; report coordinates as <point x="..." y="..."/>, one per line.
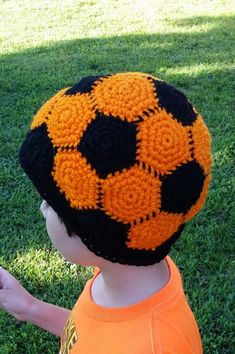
<point x="16" y="300"/>
<point x="50" y="317"/>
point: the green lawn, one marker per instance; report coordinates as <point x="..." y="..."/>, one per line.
<point x="49" y="45"/>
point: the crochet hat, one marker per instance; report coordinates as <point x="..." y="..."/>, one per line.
<point x="124" y="159"/>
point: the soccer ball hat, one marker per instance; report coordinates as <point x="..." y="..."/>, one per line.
<point x="124" y="159"/>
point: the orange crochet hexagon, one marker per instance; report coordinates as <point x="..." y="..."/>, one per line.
<point x="131" y="194"/>
<point x="75" y="178"/>
<point x="44" y="112"/>
<point x="125" y="95"/>
<point x="163" y="143"/>
<point x="152" y="233"/>
<point x="70" y="118"/>
<point x="202" y="144"/>
<point x="200" y="202"/>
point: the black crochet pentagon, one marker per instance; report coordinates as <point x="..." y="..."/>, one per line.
<point x="37" y="152"/>
<point x="99" y="232"/>
<point x="36" y="157"/>
<point x="181" y="189"/>
<point x="175" y="102"/>
<point x="83" y="86"/>
<point x="107" y="238"/>
<point x="109" y="144"/>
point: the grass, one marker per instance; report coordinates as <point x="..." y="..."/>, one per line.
<point x="47" y="46"/>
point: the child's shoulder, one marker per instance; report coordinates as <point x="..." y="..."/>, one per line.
<point x="173" y="318"/>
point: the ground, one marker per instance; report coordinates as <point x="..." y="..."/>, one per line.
<point x="47" y="46"/>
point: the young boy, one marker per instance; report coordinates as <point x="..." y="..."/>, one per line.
<point x="121" y="162"/>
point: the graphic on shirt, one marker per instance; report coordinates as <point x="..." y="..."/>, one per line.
<point x="70" y="336"/>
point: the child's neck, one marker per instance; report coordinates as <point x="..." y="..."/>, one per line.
<point x="120" y="285"/>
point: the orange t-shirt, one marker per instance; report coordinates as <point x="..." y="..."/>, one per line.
<point x="160" y="324"/>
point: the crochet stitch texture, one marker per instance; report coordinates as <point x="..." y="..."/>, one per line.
<point x="125" y="159"/>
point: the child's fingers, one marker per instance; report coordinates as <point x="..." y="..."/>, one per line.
<point x="6" y="279"/>
<point x="3" y="295"/>
<point x="3" y="273"/>
<point x="1" y="278"/>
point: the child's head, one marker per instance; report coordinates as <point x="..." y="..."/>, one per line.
<point x="125" y="162"/>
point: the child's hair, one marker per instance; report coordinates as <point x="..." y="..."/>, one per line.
<point x="68" y="226"/>
<point x="124" y="160"/>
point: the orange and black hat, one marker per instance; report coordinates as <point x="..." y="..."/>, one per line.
<point x="124" y="159"/>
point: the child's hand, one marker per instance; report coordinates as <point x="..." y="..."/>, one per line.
<point x="17" y="301"/>
<point x="14" y="298"/>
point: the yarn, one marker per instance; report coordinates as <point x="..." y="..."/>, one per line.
<point x="125" y="159"/>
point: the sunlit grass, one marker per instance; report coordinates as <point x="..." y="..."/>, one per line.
<point x="33" y="23"/>
<point x="195" y="70"/>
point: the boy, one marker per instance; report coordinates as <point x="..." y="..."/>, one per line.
<point x="121" y="162"/>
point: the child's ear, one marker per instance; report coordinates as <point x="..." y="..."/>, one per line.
<point x="44" y="208"/>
